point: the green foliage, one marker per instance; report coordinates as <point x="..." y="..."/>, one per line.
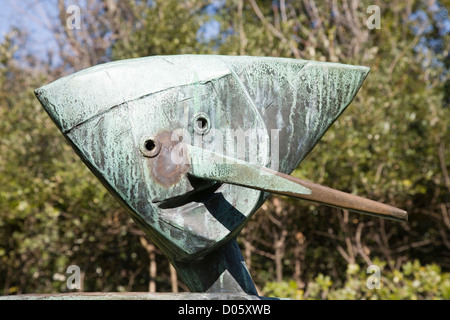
<point x="284" y="289"/>
<point x="411" y="282"/>
<point x="53" y="211"/>
<point x="164" y="28"/>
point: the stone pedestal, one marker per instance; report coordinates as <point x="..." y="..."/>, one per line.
<point x="132" y="296"/>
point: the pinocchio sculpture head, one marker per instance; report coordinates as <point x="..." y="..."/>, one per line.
<point x="193" y="145"/>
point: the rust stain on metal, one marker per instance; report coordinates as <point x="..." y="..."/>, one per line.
<point x="339" y="199"/>
<point x="164" y="170"/>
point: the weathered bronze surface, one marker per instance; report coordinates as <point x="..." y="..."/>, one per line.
<point x="156" y="132"/>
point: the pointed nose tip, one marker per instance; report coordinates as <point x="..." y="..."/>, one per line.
<point x="79" y="97"/>
<point x="45" y="101"/>
<point x="40" y="95"/>
<point x="364" y="70"/>
<point x="402" y="215"/>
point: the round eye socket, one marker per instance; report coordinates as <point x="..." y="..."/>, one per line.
<point x="201" y="123"/>
<point x="150" y="147"/>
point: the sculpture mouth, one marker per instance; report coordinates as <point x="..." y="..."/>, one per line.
<point x="199" y="195"/>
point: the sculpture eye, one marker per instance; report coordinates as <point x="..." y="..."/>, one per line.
<point x="201" y="123"/>
<point x="150" y="147"/>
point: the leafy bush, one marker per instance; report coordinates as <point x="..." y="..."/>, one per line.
<point x="412" y="282"/>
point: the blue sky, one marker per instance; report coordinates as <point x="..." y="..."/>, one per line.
<point x="7" y="17"/>
<point x="29" y="16"/>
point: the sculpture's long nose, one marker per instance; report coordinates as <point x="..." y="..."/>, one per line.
<point x="212" y="166"/>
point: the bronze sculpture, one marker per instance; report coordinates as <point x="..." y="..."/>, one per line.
<point x="193" y="145"/>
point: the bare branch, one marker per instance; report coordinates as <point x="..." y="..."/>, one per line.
<point x="441" y="154"/>
<point x="445" y="215"/>
<point x="345" y="255"/>
<point x="414" y="245"/>
<point x="359" y="245"/>
<point x="242" y="36"/>
<point x="267" y="24"/>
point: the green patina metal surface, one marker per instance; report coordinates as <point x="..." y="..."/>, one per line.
<point x="125" y="119"/>
<point x="209" y="165"/>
